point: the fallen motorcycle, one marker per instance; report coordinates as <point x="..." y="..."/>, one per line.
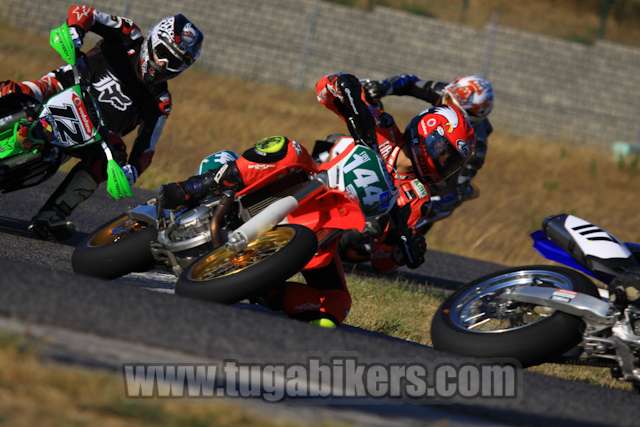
<point x="233" y="246"/>
<point x="541" y="313"/>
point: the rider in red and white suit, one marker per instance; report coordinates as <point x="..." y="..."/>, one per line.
<point x="424" y="161"/>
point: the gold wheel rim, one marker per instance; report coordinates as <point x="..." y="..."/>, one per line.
<point x="225" y="262"/>
<point x="115" y="231"/>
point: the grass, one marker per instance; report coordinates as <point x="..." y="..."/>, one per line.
<point x="404" y="310"/>
<point x="573" y="20"/>
<point x="33" y="392"/>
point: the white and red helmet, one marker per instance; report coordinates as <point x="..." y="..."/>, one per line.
<point x="473" y="94"/>
<point x="441" y="140"/>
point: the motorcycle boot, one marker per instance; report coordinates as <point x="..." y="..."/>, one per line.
<point x="51" y="222"/>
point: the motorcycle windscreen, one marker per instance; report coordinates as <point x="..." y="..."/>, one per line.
<point x="66" y="118"/>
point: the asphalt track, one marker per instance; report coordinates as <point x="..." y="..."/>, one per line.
<point x="39" y="289"/>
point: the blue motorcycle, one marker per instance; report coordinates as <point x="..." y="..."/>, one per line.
<point x="542" y="313"/>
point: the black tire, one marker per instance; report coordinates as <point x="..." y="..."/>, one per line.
<point x="256" y="278"/>
<point x="532" y="344"/>
<point x="108" y="260"/>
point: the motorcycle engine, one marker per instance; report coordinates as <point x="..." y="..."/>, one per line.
<point x="189" y="230"/>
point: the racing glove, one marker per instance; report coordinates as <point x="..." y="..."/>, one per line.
<point x="131" y="173"/>
<point x="375" y="89"/>
<point x="196" y="188"/>
<point x="412" y="245"/>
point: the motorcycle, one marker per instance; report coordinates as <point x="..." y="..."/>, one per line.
<point x="238" y="245"/>
<point x="540" y="313"/>
<point x="36" y="138"/>
<point x="392" y="230"/>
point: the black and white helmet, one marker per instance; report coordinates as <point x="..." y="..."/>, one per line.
<point x="172" y="46"/>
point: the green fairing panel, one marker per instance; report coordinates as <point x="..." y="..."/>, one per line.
<point x="9" y="145"/>
<point x="61" y="41"/>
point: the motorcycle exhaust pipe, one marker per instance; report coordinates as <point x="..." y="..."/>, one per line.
<point x="269" y="217"/>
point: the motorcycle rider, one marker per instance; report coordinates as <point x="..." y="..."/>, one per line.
<point x="129" y="76"/>
<point x="473" y="94"/>
<point x="325" y="299"/>
<point x="425" y="161"/>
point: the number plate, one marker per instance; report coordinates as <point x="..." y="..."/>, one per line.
<point x="69" y="119"/>
<point x="363" y="174"/>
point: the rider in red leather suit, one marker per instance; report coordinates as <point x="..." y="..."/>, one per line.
<point x="416" y="170"/>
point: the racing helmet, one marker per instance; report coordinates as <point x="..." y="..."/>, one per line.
<point x="441" y="140"/>
<point x="172" y="46"/>
<point x="473" y="94"/>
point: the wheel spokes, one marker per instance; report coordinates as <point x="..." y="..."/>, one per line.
<point x="223" y="261"/>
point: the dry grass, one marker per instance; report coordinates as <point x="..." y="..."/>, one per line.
<point x="35" y="393"/>
<point x="574" y="20"/>
<point x="523" y="181"/>
<point x="404" y="310"/>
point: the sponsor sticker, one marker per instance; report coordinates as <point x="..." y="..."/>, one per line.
<point x="563" y="295"/>
<point x="419" y="188"/>
<point x="82" y="112"/>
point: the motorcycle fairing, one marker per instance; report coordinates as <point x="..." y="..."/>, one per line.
<point x="579" y="244"/>
<point x="553" y="252"/>
<point x="69" y="118"/>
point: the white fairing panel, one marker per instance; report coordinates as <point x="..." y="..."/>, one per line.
<point x="341" y="145"/>
<point x="594" y="240"/>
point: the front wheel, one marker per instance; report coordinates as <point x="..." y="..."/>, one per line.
<point x="227" y="277"/>
<point x="473" y="322"/>
<point x="119" y="247"/>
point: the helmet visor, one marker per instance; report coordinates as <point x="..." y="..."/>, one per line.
<point x="446" y="159"/>
<point x="163" y="65"/>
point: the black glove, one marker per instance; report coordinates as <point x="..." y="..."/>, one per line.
<point x="198" y="187"/>
<point x="374" y="89"/>
<point x="413" y="250"/>
<point x="412" y="244"/>
<point x="172" y="195"/>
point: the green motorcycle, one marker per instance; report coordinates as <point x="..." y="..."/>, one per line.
<point x="36" y="137"/>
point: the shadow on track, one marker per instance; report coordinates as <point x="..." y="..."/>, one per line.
<point x="20" y="228"/>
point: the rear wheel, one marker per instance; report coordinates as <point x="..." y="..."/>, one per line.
<point x="119" y="247"/>
<point x="473" y="322"/>
<point x="228" y="277"/>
